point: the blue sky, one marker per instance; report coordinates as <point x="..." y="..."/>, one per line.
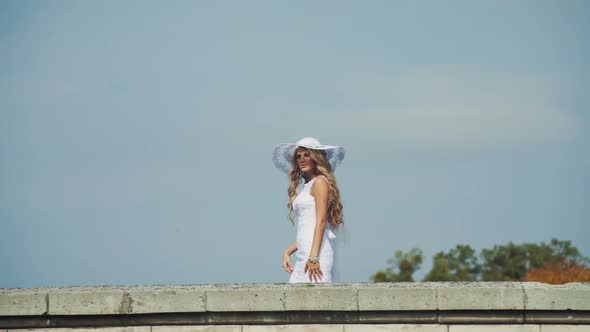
<point x="135" y="136"/>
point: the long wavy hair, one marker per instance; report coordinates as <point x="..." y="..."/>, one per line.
<point x="322" y="167"/>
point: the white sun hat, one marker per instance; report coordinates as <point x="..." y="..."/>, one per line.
<point x="283" y="153"/>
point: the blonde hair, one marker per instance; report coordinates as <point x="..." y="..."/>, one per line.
<point x="322" y="167"/>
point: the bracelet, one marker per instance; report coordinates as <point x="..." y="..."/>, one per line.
<point x="314" y="259"/>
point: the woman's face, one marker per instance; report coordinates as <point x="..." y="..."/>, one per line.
<point x="304" y="161"/>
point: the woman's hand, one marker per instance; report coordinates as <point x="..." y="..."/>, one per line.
<point x="287" y="263"/>
<point x="314" y="271"/>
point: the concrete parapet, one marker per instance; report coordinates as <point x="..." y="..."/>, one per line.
<point x="398" y="296"/>
<point x="16" y="302"/>
<point x="86" y="302"/>
<point x="481" y="296"/>
<point x="324" y="297"/>
<point x="237" y="298"/>
<point x="275" y="304"/>
<point x="164" y="299"/>
<point x="572" y="296"/>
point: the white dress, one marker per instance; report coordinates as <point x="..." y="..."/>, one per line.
<point x="304" y="208"/>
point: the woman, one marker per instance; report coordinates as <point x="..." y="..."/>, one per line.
<point x="317" y="206"/>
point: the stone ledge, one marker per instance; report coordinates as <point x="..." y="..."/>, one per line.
<point x="572" y="296"/>
<point x="429" y="302"/>
<point x="299" y="317"/>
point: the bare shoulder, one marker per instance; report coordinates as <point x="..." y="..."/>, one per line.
<point x="320" y="185"/>
<point x="323" y="180"/>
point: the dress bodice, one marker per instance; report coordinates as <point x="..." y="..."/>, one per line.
<point x="304" y="208"/>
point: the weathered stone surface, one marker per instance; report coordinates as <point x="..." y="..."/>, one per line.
<point x="90" y="329"/>
<point x="293" y="328"/>
<point x="395" y="328"/>
<point x="22" y="302"/>
<point x="321" y="297"/>
<point x="557" y="317"/>
<point x="246" y="299"/>
<point x="494" y="328"/>
<point x="398" y="317"/>
<point x="88" y="301"/>
<point x="167" y="299"/>
<point x="565" y="328"/>
<point x="396" y="305"/>
<point x="197" y="328"/>
<point x="480" y="296"/>
<point x="246" y="317"/>
<point x="481" y="317"/>
<point x="398" y="296"/>
<point x="572" y="296"/>
<point x="321" y="317"/>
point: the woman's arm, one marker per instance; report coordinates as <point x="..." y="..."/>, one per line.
<point x="286" y="257"/>
<point x="319" y="191"/>
<point x="292" y="248"/>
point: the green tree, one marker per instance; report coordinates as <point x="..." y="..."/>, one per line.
<point x="508" y="262"/>
<point x="513" y="262"/>
<point x="459" y="264"/>
<point x="504" y="263"/>
<point x="553" y="253"/>
<point x="402" y="266"/>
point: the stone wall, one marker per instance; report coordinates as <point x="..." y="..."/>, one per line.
<point x="448" y="307"/>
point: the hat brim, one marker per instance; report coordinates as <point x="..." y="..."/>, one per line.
<point x="283" y="153"/>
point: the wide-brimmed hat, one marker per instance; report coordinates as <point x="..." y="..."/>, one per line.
<point x="282" y="154"/>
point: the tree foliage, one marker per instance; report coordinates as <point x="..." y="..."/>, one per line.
<point x="555" y="262"/>
<point x="401" y="267"/>
<point x="559" y="273"/>
<point x="512" y="262"/>
<point x="504" y="263"/>
<point x="459" y="264"/>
